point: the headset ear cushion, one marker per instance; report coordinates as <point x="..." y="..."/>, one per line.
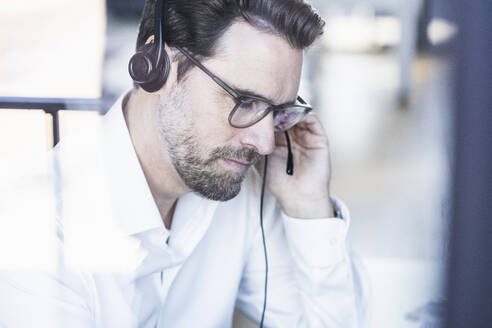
<point x="147" y="74"/>
<point x="159" y="74"/>
<point x="140" y="65"/>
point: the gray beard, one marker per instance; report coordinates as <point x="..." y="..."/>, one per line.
<point x="204" y="176"/>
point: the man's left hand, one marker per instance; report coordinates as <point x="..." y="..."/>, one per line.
<point x="306" y="193"/>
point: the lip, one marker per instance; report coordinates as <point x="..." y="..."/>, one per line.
<point x="238" y="166"/>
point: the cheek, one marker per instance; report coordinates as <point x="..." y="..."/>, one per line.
<point x="209" y="108"/>
<point x="214" y="106"/>
<point x="210" y="117"/>
<point x="214" y="132"/>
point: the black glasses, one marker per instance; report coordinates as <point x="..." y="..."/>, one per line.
<point x="250" y="110"/>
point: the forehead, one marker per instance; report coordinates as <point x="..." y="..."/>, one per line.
<point x="262" y="62"/>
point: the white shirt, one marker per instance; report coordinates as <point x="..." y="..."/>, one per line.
<point x="82" y="244"/>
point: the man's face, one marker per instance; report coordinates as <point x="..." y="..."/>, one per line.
<point x="210" y="156"/>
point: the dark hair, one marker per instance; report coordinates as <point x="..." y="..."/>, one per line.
<point x="197" y="24"/>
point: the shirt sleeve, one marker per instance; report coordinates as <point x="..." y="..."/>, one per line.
<point x="312" y="281"/>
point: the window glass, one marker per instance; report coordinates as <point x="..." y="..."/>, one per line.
<point x="51" y="48"/>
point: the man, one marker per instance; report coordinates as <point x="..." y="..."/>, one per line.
<point x="155" y="219"/>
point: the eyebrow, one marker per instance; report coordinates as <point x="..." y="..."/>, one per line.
<point x="248" y="92"/>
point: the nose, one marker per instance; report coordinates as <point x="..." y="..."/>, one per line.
<point x="260" y="136"/>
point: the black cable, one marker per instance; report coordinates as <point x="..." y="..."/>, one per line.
<point x="290" y="158"/>
<point x="264" y="243"/>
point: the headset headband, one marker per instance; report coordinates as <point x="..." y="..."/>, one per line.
<point x="158" y="30"/>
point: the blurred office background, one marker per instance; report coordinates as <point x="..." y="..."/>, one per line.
<point x="380" y="79"/>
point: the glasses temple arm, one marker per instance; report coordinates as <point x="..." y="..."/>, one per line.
<point x="206" y="71"/>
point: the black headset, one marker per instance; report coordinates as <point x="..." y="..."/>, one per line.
<point x="150" y="66"/>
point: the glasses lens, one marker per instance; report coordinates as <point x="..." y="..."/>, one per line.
<point x="288" y="117"/>
<point x="249" y="112"/>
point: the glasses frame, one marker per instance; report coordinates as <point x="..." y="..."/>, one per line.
<point x="241" y="98"/>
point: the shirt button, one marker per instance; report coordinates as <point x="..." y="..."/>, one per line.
<point x="333" y="241"/>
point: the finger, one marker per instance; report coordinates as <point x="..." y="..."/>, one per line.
<point x="309" y="127"/>
<point x="312" y="124"/>
<point x="280" y="139"/>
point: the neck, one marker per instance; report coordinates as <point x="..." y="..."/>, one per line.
<point x="140" y="112"/>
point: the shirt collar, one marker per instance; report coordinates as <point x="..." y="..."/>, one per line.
<point x="132" y="202"/>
